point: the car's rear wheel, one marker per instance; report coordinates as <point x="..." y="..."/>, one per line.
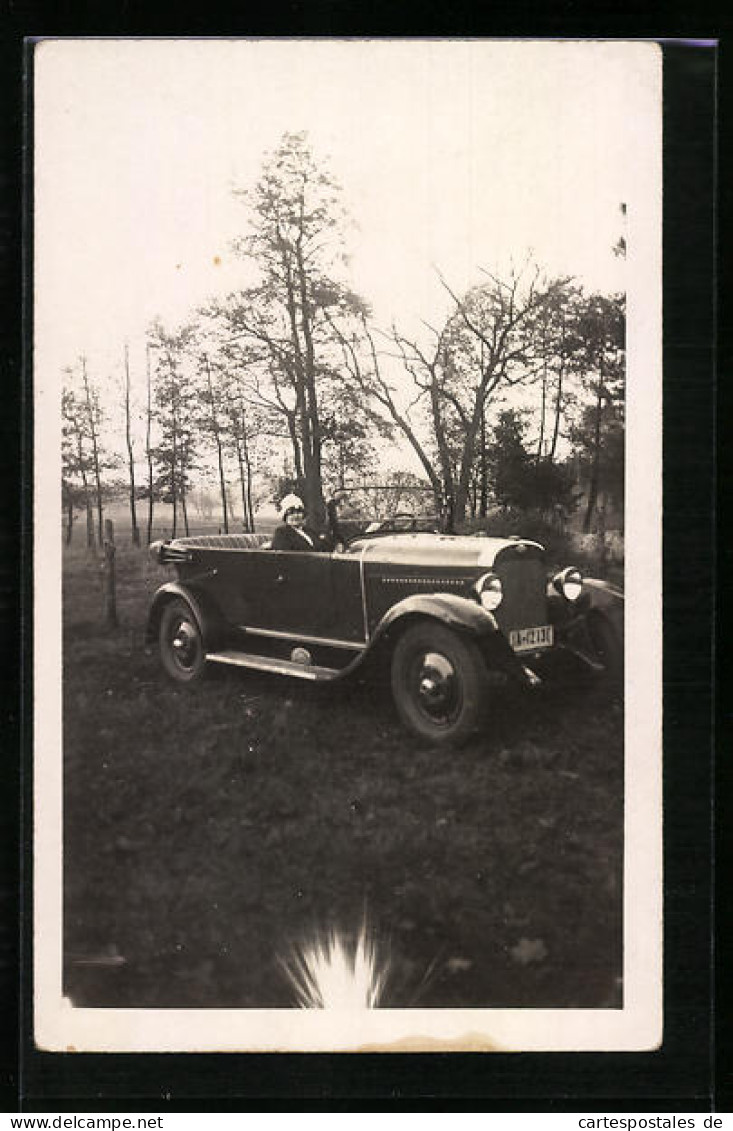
<point x="438" y="683"/>
<point x="182" y="651"/>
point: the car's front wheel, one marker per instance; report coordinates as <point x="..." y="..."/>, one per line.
<point x="438" y="683"/>
<point x="182" y="651"/>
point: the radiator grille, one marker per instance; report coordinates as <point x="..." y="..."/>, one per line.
<point x="525" y="601"/>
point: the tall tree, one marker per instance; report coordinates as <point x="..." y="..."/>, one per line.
<point x="212" y="420"/>
<point x="175" y="399"/>
<point x="130" y="452"/>
<point x="487" y="344"/>
<point x="362" y="361"/>
<point x="601" y="366"/>
<point x="76" y="459"/>
<point x="94" y="419"/>
<point x="148" y="444"/>
<point x="492" y="342"/>
<point x="241" y="424"/>
<point x="296" y="242"/>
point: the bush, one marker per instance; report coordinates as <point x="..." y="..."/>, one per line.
<point x="591" y="553"/>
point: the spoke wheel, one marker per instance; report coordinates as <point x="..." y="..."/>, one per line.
<point x="182" y="650"/>
<point x="438" y="683"/>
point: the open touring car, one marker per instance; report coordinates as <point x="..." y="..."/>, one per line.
<point x="443" y="611"/>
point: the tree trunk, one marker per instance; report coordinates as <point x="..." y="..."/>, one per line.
<point x="184" y="511"/>
<point x="596" y="465"/>
<point x="69" y="520"/>
<point x="314" y="480"/>
<point x="219" y="452"/>
<point x="182" y="493"/>
<point x="174" y="471"/>
<point x="558" y="395"/>
<point x="90" y="523"/>
<point x="130" y="458"/>
<point x="110" y="577"/>
<point x="248" y="466"/>
<point x="243" y="489"/>
<point x="558" y="413"/>
<point x="95" y="450"/>
<point x="293" y="432"/>
<point x="148" y="449"/>
<point x="174" y="494"/>
<point x="484" y="493"/>
<point x="541" y="440"/>
<point x="305" y="388"/>
<point x="449" y="494"/>
<point x="85" y="488"/>
<point x="464" y="477"/>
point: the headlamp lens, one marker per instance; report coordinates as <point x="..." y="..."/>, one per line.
<point x="571" y="584"/>
<point x="489" y="591"/>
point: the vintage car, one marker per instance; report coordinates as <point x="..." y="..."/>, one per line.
<point x="446" y="613"/>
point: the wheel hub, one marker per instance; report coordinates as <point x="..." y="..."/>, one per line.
<point x="437" y="688"/>
<point x="185" y="643"/>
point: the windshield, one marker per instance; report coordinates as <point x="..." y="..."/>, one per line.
<point x="360" y="512"/>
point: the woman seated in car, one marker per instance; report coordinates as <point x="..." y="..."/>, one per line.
<point x="294" y="534"/>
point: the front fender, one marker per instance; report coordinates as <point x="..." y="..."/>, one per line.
<point x="207" y="616"/>
<point x="459" y="613"/>
<point x="597" y="597"/>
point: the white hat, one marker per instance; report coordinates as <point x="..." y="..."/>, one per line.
<point x="290" y="503"/>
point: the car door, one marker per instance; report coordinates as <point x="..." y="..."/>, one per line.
<point x="288" y="592"/>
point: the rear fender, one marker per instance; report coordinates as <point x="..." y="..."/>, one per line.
<point x="207" y="615"/>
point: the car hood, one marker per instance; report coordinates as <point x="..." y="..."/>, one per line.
<point x="439" y="549"/>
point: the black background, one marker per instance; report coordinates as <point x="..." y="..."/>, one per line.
<point x="693" y="1071"/>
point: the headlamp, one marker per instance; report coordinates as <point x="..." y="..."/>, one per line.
<point x="569" y="583"/>
<point x="489" y="591"/>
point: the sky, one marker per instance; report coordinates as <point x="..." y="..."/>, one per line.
<point x="453" y="156"/>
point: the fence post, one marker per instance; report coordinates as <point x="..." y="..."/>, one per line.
<point x="110" y="593"/>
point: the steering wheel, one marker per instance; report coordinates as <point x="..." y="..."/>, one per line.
<point x="411" y="518"/>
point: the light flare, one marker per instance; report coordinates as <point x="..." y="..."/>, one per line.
<point x="331" y="973"/>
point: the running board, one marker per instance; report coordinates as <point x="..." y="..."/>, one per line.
<point x="279" y="667"/>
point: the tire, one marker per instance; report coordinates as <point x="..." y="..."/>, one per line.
<point x="438" y="683"/>
<point x="608" y="648"/>
<point x="181" y="643"/>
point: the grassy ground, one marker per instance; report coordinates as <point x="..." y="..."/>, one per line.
<point x="208" y="829"/>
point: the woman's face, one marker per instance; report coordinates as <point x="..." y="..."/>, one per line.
<point x="296" y="518"/>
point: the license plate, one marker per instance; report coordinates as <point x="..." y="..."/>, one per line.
<point x="530" y="639"/>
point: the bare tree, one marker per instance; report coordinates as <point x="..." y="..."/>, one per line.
<point x="148" y="444"/>
<point x="76" y="460"/>
<point x="214" y="426"/>
<point x="94" y="414"/>
<point x="601" y="363"/>
<point x="130" y="452"/>
<point x="175" y="399"/>
<point x="296" y="241"/>
<point x="490" y="343"/>
<point x="362" y="362"/>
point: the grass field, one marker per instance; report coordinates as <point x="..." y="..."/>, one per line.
<point x="208" y="829"/>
